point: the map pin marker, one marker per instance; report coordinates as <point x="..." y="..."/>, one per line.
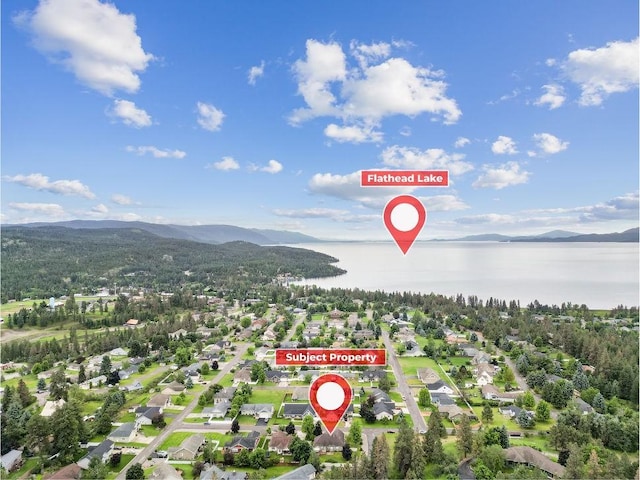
<point x="330" y="396"/>
<point x="404" y="217"/>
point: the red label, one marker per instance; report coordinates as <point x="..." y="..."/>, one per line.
<point x="331" y="356"/>
<point x="404" y="178"/>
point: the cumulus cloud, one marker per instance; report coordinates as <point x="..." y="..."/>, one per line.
<point x="624" y="207"/>
<point x="443" y="203"/>
<point x="129" y="114"/>
<point x="49" y="209"/>
<point x="553" y="97"/>
<point x="502" y="176"/>
<point x="602" y="71"/>
<point x="121" y="199"/>
<point x="38" y="181"/>
<point x="353" y="133"/>
<point x="92" y="39"/>
<point x="373" y="87"/>
<point x="255" y="72"/>
<point x="549" y="144"/>
<point x="273" y="166"/>
<point x="100" y="209"/>
<point x="461" y="142"/>
<point x="504" y="146"/>
<point x="156" y="152"/>
<point x="430" y="159"/>
<point x="209" y="117"/>
<point x="226" y="164"/>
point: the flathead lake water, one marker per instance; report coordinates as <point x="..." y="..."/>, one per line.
<point x="600" y="275"/>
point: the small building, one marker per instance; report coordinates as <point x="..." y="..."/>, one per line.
<point x="174" y="388"/>
<point x="297" y="410"/>
<point x="524" y="455"/>
<point x="124" y="433"/>
<point x="439" y="387"/>
<point x="11" y="460"/>
<point x="239" y="443"/>
<point x="428" y="376"/>
<point x="383" y="410"/>
<point x="226" y="394"/>
<point x="258" y="410"/>
<point x="188" y="449"/>
<point x="145" y="415"/>
<point x="300" y="393"/>
<point x="218" y="410"/>
<point x="305" y="472"/>
<point x="213" y="472"/>
<point x="161" y="400"/>
<point x="165" y="471"/>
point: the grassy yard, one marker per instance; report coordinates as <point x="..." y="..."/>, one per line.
<point x="174" y="440"/>
<point x="266" y="395"/>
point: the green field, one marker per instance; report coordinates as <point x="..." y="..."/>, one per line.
<point x="174" y="440"/>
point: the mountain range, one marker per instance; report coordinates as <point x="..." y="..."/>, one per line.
<point x="631" y="235"/>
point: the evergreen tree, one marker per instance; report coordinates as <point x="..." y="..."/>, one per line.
<point x="346" y="452"/>
<point x="403" y="450"/>
<point x="317" y="429"/>
<point x="135" y="472"/>
<point x="25" y="396"/>
<point x="105" y="366"/>
<point x="424" y="398"/>
<point x="42" y="384"/>
<point x="307" y="427"/>
<point x="435" y="424"/>
<point x="82" y="374"/>
<point x="355" y="433"/>
<point x="464" y="436"/>
<point x="235" y="426"/>
<point x="575" y="465"/>
<point x="96" y="469"/>
<point x="487" y="414"/>
<point x="290" y="428"/>
<point x="543" y="411"/>
<point x="380" y="456"/>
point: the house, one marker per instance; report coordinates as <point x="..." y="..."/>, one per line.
<point x="313" y="374"/>
<point x="531" y="457"/>
<point x="510" y="411"/>
<point x="126" y="373"/>
<point x="135" y="386"/>
<point x="243" y="375"/>
<point x="178" y="333"/>
<point x="441" y="399"/>
<point x="297" y="410"/>
<point x="305" y="472"/>
<point x="257" y="410"/>
<point x="11" y="460"/>
<point x="329" y="443"/>
<point x="188" y="449"/>
<point x="132" y="322"/>
<point x="383" y="410"/>
<point x="219" y="410"/>
<point x="452" y="412"/>
<point x="94" y="382"/>
<point x="192" y="371"/>
<point x="280" y="442"/>
<point x="161" y="400"/>
<point x="226" y="394"/>
<point x="51" y="406"/>
<point x="215" y="473"/>
<point x="470" y="352"/>
<point x="118" y="352"/>
<point x="145" y="415"/>
<point x="428" y="376"/>
<point x="174" y="388"/>
<point x="243" y="443"/>
<point x="165" y="471"/>
<point x="70" y="472"/>
<point x="490" y="392"/>
<point x="103" y="451"/>
<point x="300" y="393"/>
<point x="439" y="387"/>
<point x="481" y="357"/>
<point x="276" y="376"/>
<point x="583" y="406"/>
<point x="373" y="375"/>
<point x="124" y="433"/>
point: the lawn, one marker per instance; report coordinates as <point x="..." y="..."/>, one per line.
<point x="410" y="365"/>
<point x="266" y="395"/>
<point x="174" y="440"/>
<point x="28" y="465"/>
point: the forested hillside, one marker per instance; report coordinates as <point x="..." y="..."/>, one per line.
<point x="49" y="261"/>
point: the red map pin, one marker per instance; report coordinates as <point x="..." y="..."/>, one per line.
<point x="330" y="396"/>
<point x="404" y="217"/>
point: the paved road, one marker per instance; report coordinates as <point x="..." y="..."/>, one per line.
<point x="177" y="423"/>
<point x="403" y="387"/>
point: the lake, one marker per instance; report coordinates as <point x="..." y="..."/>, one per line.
<point x="600" y="275"/>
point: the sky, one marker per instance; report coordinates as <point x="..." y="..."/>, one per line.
<point x="261" y="114"/>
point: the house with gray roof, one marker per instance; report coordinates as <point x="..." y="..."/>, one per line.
<point x="165" y="471"/>
<point x="224" y="394"/>
<point x="219" y="410"/>
<point x="329" y="443"/>
<point x="11" y="460"/>
<point x="257" y="410"/>
<point x="305" y="472"/>
<point x="103" y="451"/>
<point x="248" y="442"/>
<point x="529" y="456"/>
<point x="188" y="449"/>
<point x="297" y="410"/>
<point x="124" y="433"/>
<point x="214" y="472"/>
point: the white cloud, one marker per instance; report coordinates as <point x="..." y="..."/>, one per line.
<point x="209" y="117"/>
<point x="92" y="39"/>
<point x="502" y="176"/>
<point x="100" y="208"/>
<point x="430" y="159"/>
<point x="373" y="87"/>
<point x="130" y="115"/>
<point x="553" y="97"/>
<point x="156" y="152"/>
<point x="273" y="166"/>
<point x="353" y="133"/>
<point x="405" y="131"/>
<point x="51" y="209"/>
<point x="255" y="72"/>
<point x="328" y="213"/>
<point x="121" y="199"/>
<point x="504" y="146"/>
<point x="226" y="164"/>
<point x="461" y="142"/>
<point x="443" y="203"/>
<point x="624" y="207"/>
<point x="41" y="182"/>
<point x="549" y="144"/>
<point x="488" y="218"/>
<point x="602" y="71"/>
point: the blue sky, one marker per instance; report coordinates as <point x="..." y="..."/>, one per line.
<point x="262" y="113"/>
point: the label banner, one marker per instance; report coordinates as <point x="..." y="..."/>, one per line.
<point x="404" y="178"/>
<point x="331" y="356"/>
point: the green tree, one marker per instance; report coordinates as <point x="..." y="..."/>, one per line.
<point x="355" y="433"/>
<point x="464" y="436"/>
<point x="482" y="472"/>
<point x="307" y="427"/>
<point x="235" y="426"/>
<point x="183" y="356"/>
<point x="58" y="386"/>
<point x="25" y="396"/>
<point x="300" y="450"/>
<point x="380" y="457"/>
<point x="424" y="398"/>
<point x="135" y="472"/>
<point x="42" y="384"/>
<point x="82" y="374"/>
<point x="487" y="414"/>
<point x="317" y="429"/>
<point x="38" y="433"/>
<point x="574" y="469"/>
<point x="96" y="469"/>
<point x="290" y="428"/>
<point x="105" y="365"/>
<point x="385" y="383"/>
<point x="528" y="400"/>
<point x="68" y="431"/>
<point x="346" y="452"/>
<point x="205" y="369"/>
<point x="435" y="424"/>
<point x="258" y="459"/>
<point x="403" y="449"/>
<point x="543" y="411"/>
<point x="366" y="410"/>
<point x="493" y="457"/>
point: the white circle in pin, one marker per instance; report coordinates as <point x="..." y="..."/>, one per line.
<point x="404" y="217"/>
<point x="330" y="396"/>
